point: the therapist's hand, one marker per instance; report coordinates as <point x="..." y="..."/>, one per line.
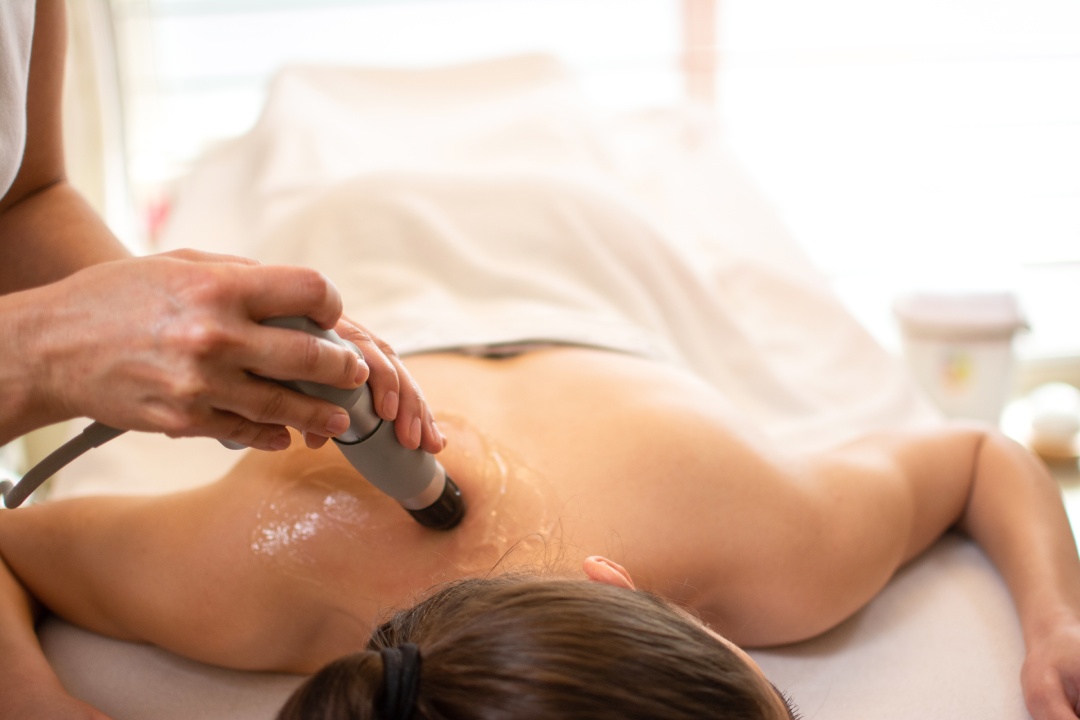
<point x="170" y="343"/>
<point x="394" y="394"/>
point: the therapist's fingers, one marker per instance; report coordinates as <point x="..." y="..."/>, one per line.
<point x="416" y="426"/>
<point x="382" y="379"/>
<point x="259" y="292"/>
<point x="286" y="354"/>
<point x="278" y="290"/>
<point x="236" y="429"/>
<point x="207" y="420"/>
<point x="261" y="409"/>
<point x="315" y="441"/>
<point x="395" y="395"/>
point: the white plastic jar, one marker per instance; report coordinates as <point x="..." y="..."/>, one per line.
<point x="960" y="349"/>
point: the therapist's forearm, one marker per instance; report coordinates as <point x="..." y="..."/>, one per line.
<point x="22" y="408"/>
<point x="47" y="230"/>
<point x="50" y="234"/>
<point x="44" y="237"/>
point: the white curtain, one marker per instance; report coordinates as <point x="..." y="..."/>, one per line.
<point x="93" y="117"/>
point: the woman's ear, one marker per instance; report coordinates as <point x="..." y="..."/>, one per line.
<point x="601" y="570"/>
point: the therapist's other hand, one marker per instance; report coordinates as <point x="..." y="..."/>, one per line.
<point x="170" y="343"/>
<point x="394" y="393"/>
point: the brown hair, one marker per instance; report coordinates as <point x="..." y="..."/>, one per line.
<point x="524" y="648"/>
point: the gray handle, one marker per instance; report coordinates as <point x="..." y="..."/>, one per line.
<point x="356" y="402"/>
<point x="370" y="445"/>
<point x="403" y="474"/>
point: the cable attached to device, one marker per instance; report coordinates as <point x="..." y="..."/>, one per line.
<point x="95" y="435"/>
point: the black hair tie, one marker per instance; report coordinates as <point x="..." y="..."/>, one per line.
<point x="401" y="682"/>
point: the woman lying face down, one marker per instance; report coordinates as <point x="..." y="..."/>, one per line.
<point x="519" y="646"/>
<point x="291" y="561"/>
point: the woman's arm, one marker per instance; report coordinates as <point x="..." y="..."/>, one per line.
<point x="176" y="571"/>
<point x="1015" y="513"/>
<point x="30" y="688"/>
<point x="912" y="487"/>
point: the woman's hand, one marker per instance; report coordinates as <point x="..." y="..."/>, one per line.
<point x="171" y="343"/>
<point x="395" y="395"/>
<point x="1051" y="673"/>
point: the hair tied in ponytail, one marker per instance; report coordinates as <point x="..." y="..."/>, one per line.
<point x="401" y="681"/>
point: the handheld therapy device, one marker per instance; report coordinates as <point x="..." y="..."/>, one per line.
<point x="412" y="477"/>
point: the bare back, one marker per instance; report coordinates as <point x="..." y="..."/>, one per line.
<point x="560" y="453"/>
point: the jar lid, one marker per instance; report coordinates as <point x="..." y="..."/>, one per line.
<point x="960" y="316"/>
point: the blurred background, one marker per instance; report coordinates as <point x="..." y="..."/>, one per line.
<point x="923" y="144"/>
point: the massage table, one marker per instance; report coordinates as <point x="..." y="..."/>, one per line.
<point x="654" y="198"/>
